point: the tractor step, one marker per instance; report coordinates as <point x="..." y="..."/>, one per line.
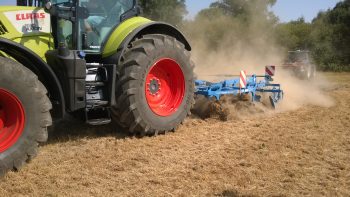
<point x="99" y="86"/>
<point x="97" y="122"/>
<point x="99" y="116"/>
<point x="96" y="103"/>
<point x="94" y="83"/>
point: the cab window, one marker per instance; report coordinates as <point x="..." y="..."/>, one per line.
<point x="104" y="15"/>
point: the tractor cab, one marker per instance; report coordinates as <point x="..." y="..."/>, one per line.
<point x="298" y="56"/>
<point x="81" y="28"/>
<point x="85" y="24"/>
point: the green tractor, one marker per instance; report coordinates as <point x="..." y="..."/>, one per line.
<point x="99" y="59"/>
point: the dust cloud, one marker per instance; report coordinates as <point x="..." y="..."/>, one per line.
<point x="298" y="93"/>
<point x="223" y="46"/>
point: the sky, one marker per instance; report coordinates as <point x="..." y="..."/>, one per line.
<point x="286" y="10"/>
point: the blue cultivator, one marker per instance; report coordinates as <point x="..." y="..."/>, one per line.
<point x="233" y="87"/>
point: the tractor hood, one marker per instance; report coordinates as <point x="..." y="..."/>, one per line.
<point x="28" y="26"/>
<point x="17" y="21"/>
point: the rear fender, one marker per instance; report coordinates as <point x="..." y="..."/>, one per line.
<point x="159" y="28"/>
<point x="134" y="28"/>
<point x="45" y="74"/>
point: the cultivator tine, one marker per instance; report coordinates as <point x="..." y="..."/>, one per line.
<point x="257" y="98"/>
<point x="273" y="102"/>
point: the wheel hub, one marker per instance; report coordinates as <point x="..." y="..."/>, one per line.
<point x="154" y="86"/>
<point x="165" y="87"/>
<point x="12" y="119"/>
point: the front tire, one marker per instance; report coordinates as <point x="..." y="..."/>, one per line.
<point x="24" y="115"/>
<point x="155" y="88"/>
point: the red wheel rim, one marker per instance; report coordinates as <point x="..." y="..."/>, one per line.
<point x="12" y="119"/>
<point x="165" y="87"/>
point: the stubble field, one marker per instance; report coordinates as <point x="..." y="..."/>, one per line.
<point x="301" y="151"/>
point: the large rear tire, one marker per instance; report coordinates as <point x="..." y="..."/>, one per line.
<point x="24" y="115"/>
<point x="155" y="88"/>
<point x="309" y="72"/>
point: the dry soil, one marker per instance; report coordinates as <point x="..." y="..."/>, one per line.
<point x="303" y="151"/>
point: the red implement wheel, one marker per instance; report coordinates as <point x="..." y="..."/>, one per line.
<point x="155" y="87"/>
<point x="24" y="114"/>
<point x="12" y="119"/>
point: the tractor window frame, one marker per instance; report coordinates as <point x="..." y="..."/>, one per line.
<point x="106" y="28"/>
<point x="78" y="32"/>
<point x="59" y="21"/>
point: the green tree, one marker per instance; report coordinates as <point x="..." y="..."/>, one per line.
<point x="171" y="11"/>
<point x="294" y="35"/>
<point x="331" y="38"/>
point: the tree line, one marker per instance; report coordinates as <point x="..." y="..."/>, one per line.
<point x="327" y="37"/>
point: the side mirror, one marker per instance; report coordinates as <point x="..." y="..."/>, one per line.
<point x="48" y="5"/>
<point x="49" y="8"/>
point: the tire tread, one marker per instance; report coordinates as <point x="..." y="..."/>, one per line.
<point x="126" y="113"/>
<point x="29" y="148"/>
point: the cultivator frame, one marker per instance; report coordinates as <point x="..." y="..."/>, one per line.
<point x="254" y="84"/>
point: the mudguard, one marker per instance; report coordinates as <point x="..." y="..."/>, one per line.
<point x="136" y="27"/>
<point x="45" y="74"/>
